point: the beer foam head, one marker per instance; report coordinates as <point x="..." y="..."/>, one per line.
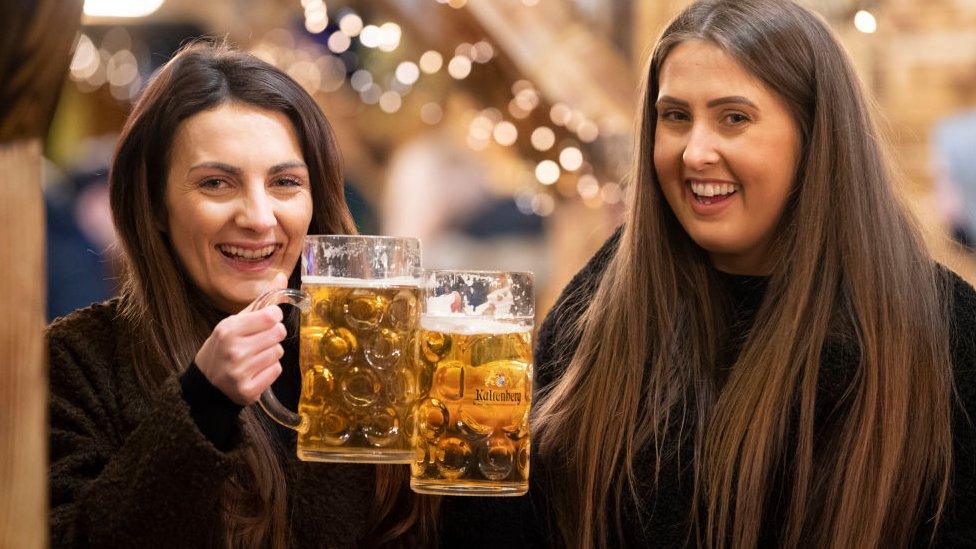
<point x="361" y="282"/>
<point x="463" y="324"/>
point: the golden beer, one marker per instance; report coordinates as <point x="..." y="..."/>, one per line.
<point x="472" y="432"/>
<point x="359" y="375"/>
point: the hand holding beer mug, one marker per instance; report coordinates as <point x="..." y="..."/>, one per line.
<point x="360" y="302"/>
<point x="472" y="430"/>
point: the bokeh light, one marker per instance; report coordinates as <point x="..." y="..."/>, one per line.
<point x="571" y="159"/>
<point x="505" y="133"/>
<point x="543" y="138"/>
<point x="431" y="62"/>
<point x="547" y="172"/>
<point x="459" y="68"/>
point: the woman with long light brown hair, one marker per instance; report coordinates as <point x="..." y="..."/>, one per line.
<point x="223" y="167"/>
<point x="765" y="354"/>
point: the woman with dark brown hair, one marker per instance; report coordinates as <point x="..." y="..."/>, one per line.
<point x="765" y="354"/>
<point x="223" y="167"/>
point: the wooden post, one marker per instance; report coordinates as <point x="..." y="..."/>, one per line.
<point x="23" y="379"/>
<point x="36" y="40"/>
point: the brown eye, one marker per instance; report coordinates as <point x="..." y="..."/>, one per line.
<point x="736" y="118"/>
<point x="288" y="182"/>
<point x="673" y="116"/>
<point x="213" y="183"/>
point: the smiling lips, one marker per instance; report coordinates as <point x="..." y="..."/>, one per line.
<point x="712" y="192"/>
<point x="248" y="253"/>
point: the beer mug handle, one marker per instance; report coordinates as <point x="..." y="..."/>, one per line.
<point x="268" y="401"/>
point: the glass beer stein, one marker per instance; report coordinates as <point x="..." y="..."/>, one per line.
<point x="360" y="302"/>
<point x="471" y="432"/>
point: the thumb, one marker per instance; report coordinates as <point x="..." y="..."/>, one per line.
<point x="280" y="281"/>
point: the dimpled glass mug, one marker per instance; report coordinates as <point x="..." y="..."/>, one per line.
<point x="360" y="302"/>
<point x="472" y="424"/>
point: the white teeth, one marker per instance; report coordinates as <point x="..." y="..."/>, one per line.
<point x="260" y="253"/>
<point x="713" y="189"/>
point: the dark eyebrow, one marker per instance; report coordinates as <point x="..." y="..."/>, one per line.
<point x="730" y="99"/>
<point x="713" y="103"/>
<point x="672" y="100"/>
<point x="233" y="170"/>
<point x="278" y="168"/>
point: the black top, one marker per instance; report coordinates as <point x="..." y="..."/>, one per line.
<point x="216" y="415"/>
<point x="526" y="522"/>
<point x="130" y="469"/>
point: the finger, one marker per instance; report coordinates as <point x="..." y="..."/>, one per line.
<point x="279" y="282"/>
<point x="259" y="341"/>
<point x="247" y="323"/>
<point x="261" y="360"/>
<point x="261" y="381"/>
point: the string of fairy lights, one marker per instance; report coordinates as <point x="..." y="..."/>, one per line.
<point x="490" y="127"/>
<point x="326" y="59"/>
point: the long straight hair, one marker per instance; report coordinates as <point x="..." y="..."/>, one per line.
<point x="850" y="269"/>
<point x="171" y="317"/>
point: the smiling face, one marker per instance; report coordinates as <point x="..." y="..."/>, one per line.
<point x="725" y="153"/>
<point x="238" y="201"/>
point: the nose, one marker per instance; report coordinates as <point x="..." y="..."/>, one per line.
<point x="700" y="151"/>
<point x="256" y="211"/>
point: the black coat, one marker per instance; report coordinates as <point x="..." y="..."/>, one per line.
<point x="134" y="470"/>
<point x="527" y="521"/>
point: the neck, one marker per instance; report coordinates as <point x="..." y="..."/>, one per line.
<point x="752" y="263"/>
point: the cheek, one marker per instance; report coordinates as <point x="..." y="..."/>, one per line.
<point x="662" y="156"/>
<point x="202" y="220"/>
<point x="668" y="166"/>
<point x="180" y="226"/>
<point x="768" y="182"/>
<point x="193" y="228"/>
<point x="668" y="155"/>
<point x="295" y="216"/>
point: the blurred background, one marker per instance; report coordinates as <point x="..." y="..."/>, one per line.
<point x="497" y="131"/>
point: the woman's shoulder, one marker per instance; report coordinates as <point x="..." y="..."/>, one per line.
<point x="960" y="301"/>
<point x="961" y="308"/>
<point x="960" y="290"/>
<point x="97" y="317"/>
<point x="88" y="333"/>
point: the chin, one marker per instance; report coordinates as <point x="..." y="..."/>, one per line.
<point x="246" y="292"/>
<point x="717" y="244"/>
<point x="250" y="292"/>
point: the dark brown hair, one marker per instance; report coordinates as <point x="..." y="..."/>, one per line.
<point x="849" y="268"/>
<point x="171" y="317"/>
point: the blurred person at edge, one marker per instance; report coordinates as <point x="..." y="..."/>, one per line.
<point x="954" y="143"/>
<point x="764" y="355"/>
<point x="80" y="259"/>
<point x="224" y="165"/>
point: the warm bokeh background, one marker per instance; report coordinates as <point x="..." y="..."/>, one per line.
<point x="498" y="131"/>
